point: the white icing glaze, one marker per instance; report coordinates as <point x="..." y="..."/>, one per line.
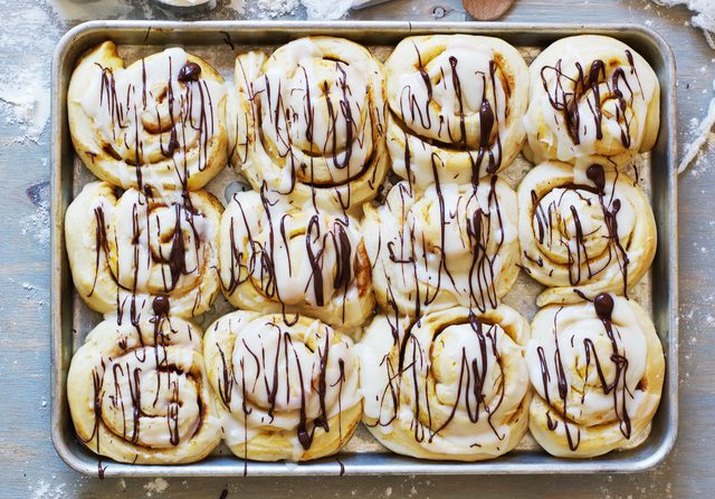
<point x="456" y="103"/>
<point x="310" y="122"/>
<point x="454" y="389"/>
<point x="449" y="245"/>
<point x="275" y="373"/>
<point x="123" y="252"/>
<point x="276" y="257"/>
<point x="623" y="97"/>
<point x="604" y="373"/>
<point x="149" y="100"/>
<point x="577" y="237"/>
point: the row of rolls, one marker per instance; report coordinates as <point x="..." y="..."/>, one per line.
<point x="369" y="258"/>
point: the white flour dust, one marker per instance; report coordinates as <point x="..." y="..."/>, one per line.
<point x="704" y="135"/>
<point x="704" y="17"/>
<point x="157" y="486"/>
<point x="44" y="490"/>
<point x="24" y="94"/>
<point x="26" y="105"/>
<point x="37" y="224"/>
<point x="315" y="9"/>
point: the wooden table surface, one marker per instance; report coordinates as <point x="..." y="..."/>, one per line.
<point x="29" y="466"/>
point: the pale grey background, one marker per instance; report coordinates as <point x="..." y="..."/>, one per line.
<point x="29" y="467"/>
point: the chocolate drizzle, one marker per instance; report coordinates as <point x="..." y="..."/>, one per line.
<point x="428" y="263"/>
<point x="412" y="360"/>
<point x="120" y="384"/>
<point x="148" y="237"/>
<point x="603" y="306"/>
<point x="175" y="113"/>
<point x="272" y="373"/>
<point x="587" y="91"/>
<point x="414" y="111"/>
<point x="582" y="264"/>
<point x="261" y="249"/>
<point x="288" y="111"/>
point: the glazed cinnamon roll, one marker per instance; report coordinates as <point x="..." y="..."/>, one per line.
<point x="449" y="245"/>
<point x="454" y="385"/>
<point x="310" y="122"/>
<point x="593" y="100"/>
<point x="284" y="390"/>
<point x="277" y="258"/>
<point x="158" y="122"/>
<point x="126" y="248"/>
<point x="457" y="103"/>
<point x="584" y="232"/>
<point x="598" y="371"/>
<point x="138" y="393"/>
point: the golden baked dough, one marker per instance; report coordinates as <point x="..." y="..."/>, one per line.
<point x="457" y="103"/>
<point x="449" y="245"/>
<point x="452" y="386"/>
<point x="286" y="387"/>
<point x="597" y="369"/>
<point x="593" y="100"/>
<point x="139" y="393"/>
<point x="124" y="250"/>
<point x="277" y="258"/>
<point x="159" y="122"/>
<point x="584" y="232"/>
<point x="308" y="121"/>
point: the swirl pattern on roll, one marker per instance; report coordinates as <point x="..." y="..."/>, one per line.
<point x="453" y="386"/>
<point x="449" y="245"/>
<point x="598" y="371"/>
<point x="139" y="393"/>
<point x="584" y="232"/>
<point x="283" y="390"/>
<point x="457" y="103"/>
<point x="275" y="257"/>
<point x="309" y="122"/>
<point x="126" y="248"/>
<point x="159" y="122"/>
<point x="593" y="100"/>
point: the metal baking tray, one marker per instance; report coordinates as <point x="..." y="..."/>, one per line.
<point x="218" y="42"/>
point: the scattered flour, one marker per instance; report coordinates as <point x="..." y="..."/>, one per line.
<point x="703" y="135"/>
<point x="39" y="296"/>
<point x="44" y="490"/>
<point x="704" y="18"/>
<point x="156" y="486"/>
<point x="24" y="94"/>
<point x="26" y="104"/>
<point x="37" y="223"/>
<point x="237" y="5"/>
<point x="321" y="9"/>
<point x="315" y="9"/>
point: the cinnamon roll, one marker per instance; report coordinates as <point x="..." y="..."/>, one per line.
<point x="138" y="393"/>
<point x="284" y="390"/>
<point x="158" y="122"/>
<point x="598" y="371"/>
<point x="310" y="122"/>
<point x="275" y="257"/>
<point x="454" y="385"/>
<point x="457" y="103"/>
<point x="593" y="100"/>
<point x="126" y="248"/>
<point x="449" y="245"/>
<point x="582" y="232"/>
